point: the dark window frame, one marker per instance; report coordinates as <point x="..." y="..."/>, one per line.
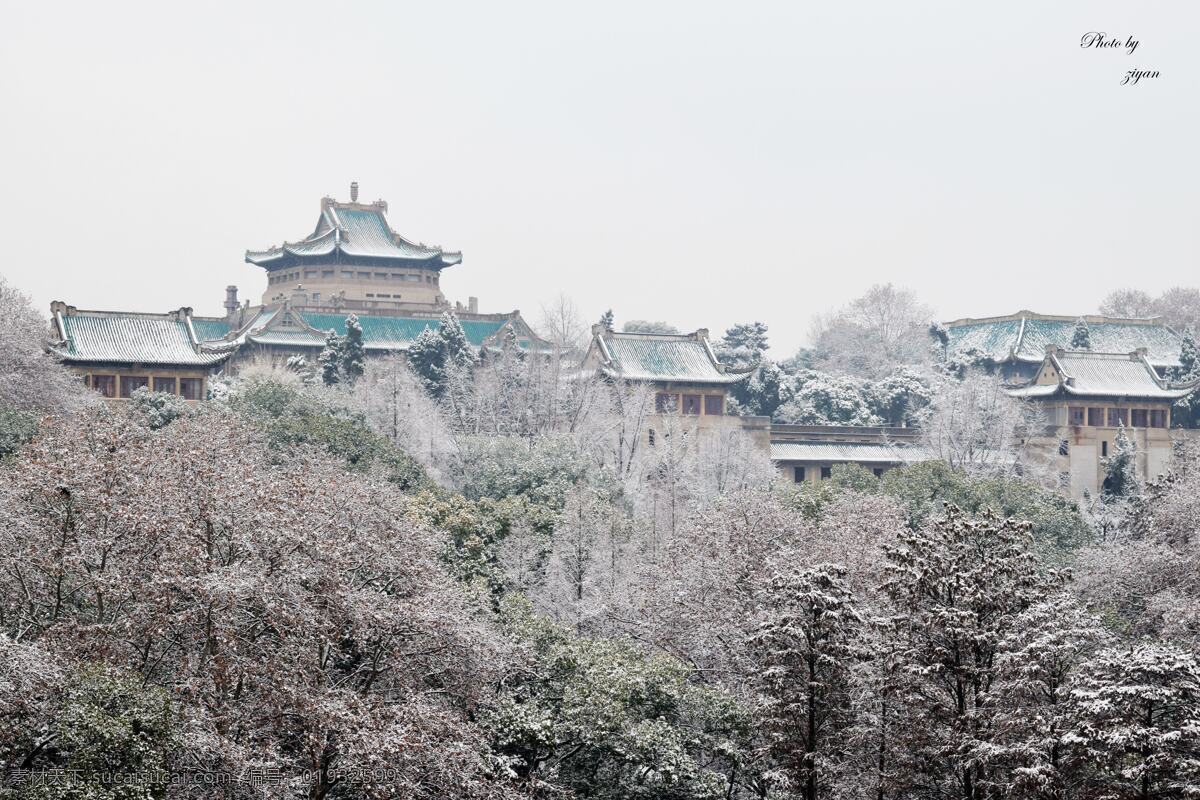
<point x="187" y="394"/>
<point x="132" y="381"/>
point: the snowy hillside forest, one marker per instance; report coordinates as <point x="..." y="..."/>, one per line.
<point x="467" y="575"/>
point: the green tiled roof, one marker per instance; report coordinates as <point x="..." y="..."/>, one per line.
<point x="208" y="329"/>
<point x="1024" y="336"/>
<point x="353" y="230"/>
<point x="397" y="333"/>
<point x="994" y="338"/>
<point x="660" y="357"/>
<point x="1093" y="374"/>
<point x="115" y="337"/>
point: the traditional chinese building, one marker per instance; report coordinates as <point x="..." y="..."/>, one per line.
<point x="808" y="453"/>
<point x="1017" y="343"/>
<point x="352" y="262"/>
<point x="118" y="353"/>
<point x="1086" y="398"/>
<point x="689" y="383"/>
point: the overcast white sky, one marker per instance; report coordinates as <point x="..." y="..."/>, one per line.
<point x="698" y="163"/>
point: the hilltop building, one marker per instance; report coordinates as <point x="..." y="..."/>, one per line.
<point x="1086" y="398"/>
<point x="1017" y="343"/>
<point x="688" y="380"/>
<point x="352" y="262"/>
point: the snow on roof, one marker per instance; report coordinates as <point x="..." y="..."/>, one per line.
<point x="384" y="333"/>
<point x="128" y="337"/>
<point x="1025" y="335"/>
<point x="354" y="230"/>
<point x="848" y="452"/>
<point x="682" y="358"/>
<point x="1089" y="373"/>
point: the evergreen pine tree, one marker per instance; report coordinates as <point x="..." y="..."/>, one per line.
<point x="457" y="348"/>
<point x="427" y="358"/>
<point x="806" y="647"/>
<point x="352" y="355"/>
<point x="941" y="341"/>
<point x="1189" y="358"/>
<point x="1187" y="409"/>
<point x="960" y="585"/>
<point x="330" y="360"/>
<point x="743" y="345"/>
<point x="1081" y="337"/>
<point x="1120" y="472"/>
<point x="510" y="346"/>
<point x="607" y="320"/>
<point x="1139" y="721"/>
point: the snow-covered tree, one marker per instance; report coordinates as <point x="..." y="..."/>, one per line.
<point x="1138" y="721"/>
<point x="427" y="358"/>
<point x="1132" y="303"/>
<point x="805" y="646"/>
<point x="31" y="379"/>
<point x="330" y="360"/>
<point x="821" y="399"/>
<point x="261" y="588"/>
<point x="899" y="398"/>
<point x="743" y="346"/>
<point x="587" y="557"/>
<point x="565" y="327"/>
<point x="608" y="320"/>
<point x="352" y="355"/>
<point x="940" y="336"/>
<point x="958" y="588"/>
<point x="1036" y="670"/>
<point x="1189" y="357"/>
<point x="460" y="354"/>
<point x="1081" y="335"/>
<point x="648" y="326"/>
<point x="1120" y="470"/>
<point x="973" y="424"/>
<point x="885" y="328"/>
<point x="763" y="392"/>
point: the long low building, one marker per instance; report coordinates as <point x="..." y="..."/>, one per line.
<point x="808" y="453"/>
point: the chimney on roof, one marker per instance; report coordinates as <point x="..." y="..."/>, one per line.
<point x="473" y="305"/>
<point x="231" y="301"/>
<point x="353" y="191"/>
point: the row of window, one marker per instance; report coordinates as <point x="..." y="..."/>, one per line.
<point x="669" y="403"/>
<point x="107" y="385"/>
<point x="348" y="274"/>
<point x="800" y="474"/>
<point x="1112" y="417"/>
